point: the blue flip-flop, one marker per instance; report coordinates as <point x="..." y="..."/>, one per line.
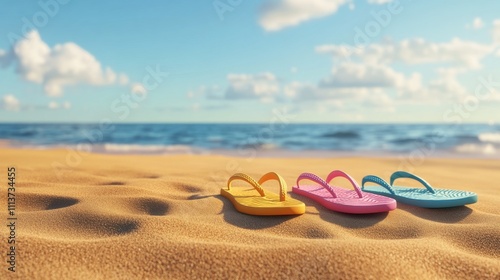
<point x="426" y="198"/>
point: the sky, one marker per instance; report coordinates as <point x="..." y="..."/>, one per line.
<point x="336" y="61"/>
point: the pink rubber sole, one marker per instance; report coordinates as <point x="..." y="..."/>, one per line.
<point x="347" y="201"/>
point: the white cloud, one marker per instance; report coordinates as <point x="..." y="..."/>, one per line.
<point x="58" y="67"/>
<point x="477" y="23"/>
<point x="263" y="86"/>
<point x="339" y="97"/>
<point x="138" y="88"/>
<point x="66" y="105"/>
<point x="447" y="82"/>
<point x="371" y="66"/>
<point x="3" y="58"/>
<point x="53" y="105"/>
<point x="123" y="79"/>
<point x="278" y="14"/>
<point x="496" y="31"/>
<point x="364" y="81"/>
<point x="414" y="51"/>
<point x="213" y="92"/>
<point x="379" y="2"/>
<point x="352" y="85"/>
<point x="363" y="75"/>
<point x="10" y="102"/>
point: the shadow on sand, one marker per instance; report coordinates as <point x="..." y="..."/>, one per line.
<point x="232" y="216"/>
<point x="248" y="221"/>
<point x="441" y="215"/>
<point x="342" y="219"/>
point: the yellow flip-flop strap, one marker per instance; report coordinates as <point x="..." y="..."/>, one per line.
<point x="281" y="181"/>
<point x="246" y="178"/>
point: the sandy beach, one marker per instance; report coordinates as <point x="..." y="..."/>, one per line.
<point x="99" y="216"/>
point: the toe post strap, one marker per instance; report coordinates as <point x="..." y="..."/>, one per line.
<point x="316" y="179"/>
<point x="339" y="173"/>
<point x="281" y="182"/>
<point x="378" y="181"/>
<point x="404" y="174"/>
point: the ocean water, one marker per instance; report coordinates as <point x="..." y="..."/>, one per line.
<point x="468" y="140"/>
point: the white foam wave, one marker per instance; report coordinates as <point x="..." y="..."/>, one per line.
<point x="269" y="146"/>
<point x="129" y="148"/>
<point x="490" y="137"/>
<point x="487" y="149"/>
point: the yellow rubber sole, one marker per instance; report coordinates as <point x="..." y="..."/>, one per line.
<point x="248" y="201"/>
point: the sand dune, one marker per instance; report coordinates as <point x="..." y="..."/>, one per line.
<point x="147" y="217"/>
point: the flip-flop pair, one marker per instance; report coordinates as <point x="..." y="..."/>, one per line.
<point x="342" y="200"/>
<point x="427" y="198"/>
<point x="256" y="201"/>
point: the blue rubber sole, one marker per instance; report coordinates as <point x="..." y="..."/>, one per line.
<point x="425" y="203"/>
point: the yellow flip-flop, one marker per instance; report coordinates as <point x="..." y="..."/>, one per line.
<point x="255" y="201"/>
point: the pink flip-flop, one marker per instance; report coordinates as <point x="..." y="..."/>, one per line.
<point x="342" y="200"/>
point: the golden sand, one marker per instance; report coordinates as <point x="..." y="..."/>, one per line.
<point x="149" y="217"/>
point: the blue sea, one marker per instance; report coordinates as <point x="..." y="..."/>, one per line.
<point x="464" y="140"/>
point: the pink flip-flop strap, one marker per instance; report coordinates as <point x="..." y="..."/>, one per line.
<point x="316" y="179"/>
<point x="339" y="173"/>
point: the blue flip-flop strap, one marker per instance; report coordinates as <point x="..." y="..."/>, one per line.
<point x="376" y="180"/>
<point x="404" y="174"/>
